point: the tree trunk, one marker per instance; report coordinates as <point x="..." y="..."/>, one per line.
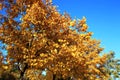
<point x="22" y="72"/>
<point x="54" y="76"/>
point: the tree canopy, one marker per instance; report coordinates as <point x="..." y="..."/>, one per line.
<point x="37" y="37"/>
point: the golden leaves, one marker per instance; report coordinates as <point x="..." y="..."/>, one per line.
<point x="89" y="34"/>
<point x="73" y="23"/>
<point x="1" y="6"/>
<point x="84" y="27"/>
<point x="56" y="45"/>
<point x="32" y="14"/>
<point x="43" y="55"/>
<point x="25" y="56"/>
<point x="73" y="48"/>
<point x="83" y="21"/>
<point x="5" y="67"/>
<point x="46" y="39"/>
<point x="48" y="1"/>
<point x="60" y="40"/>
<point x="1" y="29"/>
<point x="34" y="34"/>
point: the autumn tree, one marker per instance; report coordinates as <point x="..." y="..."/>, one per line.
<point x="38" y="37"/>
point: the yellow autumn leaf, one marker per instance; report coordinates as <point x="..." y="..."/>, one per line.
<point x="1" y="6"/>
<point x="73" y="23"/>
<point x="83" y="21"/>
<point x="5" y="67"/>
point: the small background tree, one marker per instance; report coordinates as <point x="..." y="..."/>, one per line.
<point x="113" y="66"/>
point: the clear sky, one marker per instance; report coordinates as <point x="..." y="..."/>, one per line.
<point x="103" y="19"/>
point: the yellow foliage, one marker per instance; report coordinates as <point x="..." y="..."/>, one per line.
<point x="5" y="67"/>
<point x="44" y="39"/>
<point x="73" y="23"/>
<point x="1" y="6"/>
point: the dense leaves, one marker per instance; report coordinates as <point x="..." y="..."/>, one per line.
<point x="38" y="38"/>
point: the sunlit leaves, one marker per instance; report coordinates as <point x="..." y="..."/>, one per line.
<point x="1" y="6"/>
<point x="5" y="67"/>
<point x="38" y="37"/>
<point x="73" y="23"/>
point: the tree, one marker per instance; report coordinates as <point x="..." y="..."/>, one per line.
<point x="38" y="37"/>
<point x="113" y="66"/>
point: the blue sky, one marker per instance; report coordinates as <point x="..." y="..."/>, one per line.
<point x="103" y="19"/>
